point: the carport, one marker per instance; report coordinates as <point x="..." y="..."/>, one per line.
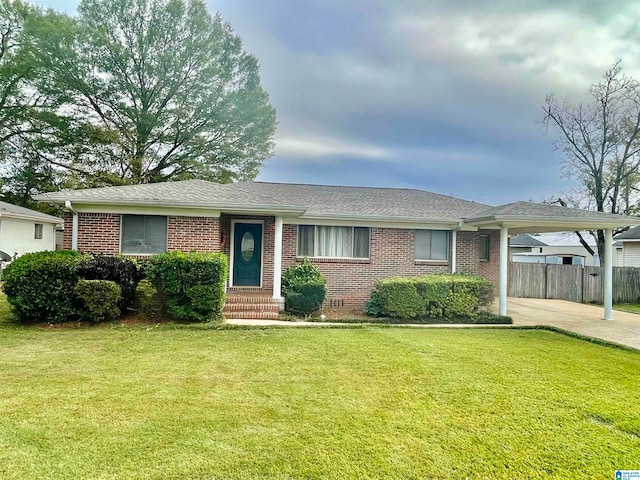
<point x="577" y="318"/>
<point x="528" y="217"/>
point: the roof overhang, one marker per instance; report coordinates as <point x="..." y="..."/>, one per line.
<point x="35" y="218"/>
<point x="532" y="224"/>
<point x="84" y="204"/>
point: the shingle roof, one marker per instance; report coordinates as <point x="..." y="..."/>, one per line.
<point x="631" y="234"/>
<point x="10" y="210"/>
<point x="314" y="200"/>
<point x="531" y="209"/>
<point x="525" y="241"/>
<point x="317" y="201"/>
<point x="324" y="200"/>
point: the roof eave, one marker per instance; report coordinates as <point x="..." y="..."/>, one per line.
<point x="380" y="218"/>
<point x="562" y="224"/>
<point x="35" y="218"/>
<point x="227" y="207"/>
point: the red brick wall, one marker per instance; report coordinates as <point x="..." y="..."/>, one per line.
<point x="350" y="281"/>
<point x="201" y="234"/>
<point x="392" y="253"/>
<point x="100" y="233"/>
<point x="67" y="232"/>
<point x="491" y="269"/>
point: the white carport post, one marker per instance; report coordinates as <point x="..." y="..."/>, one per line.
<point x="454" y="250"/>
<point x="504" y="265"/>
<point x="608" y="274"/>
<point x="277" y="263"/>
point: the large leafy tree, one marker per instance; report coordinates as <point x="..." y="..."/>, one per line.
<point x="601" y="142"/>
<point x="149" y="91"/>
<point x="26" y="113"/>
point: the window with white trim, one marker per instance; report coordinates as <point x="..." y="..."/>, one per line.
<point x="143" y="234"/>
<point x="485" y="247"/>
<point x="333" y="242"/>
<point x="38" y="231"/>
<point x="432" y="245"/>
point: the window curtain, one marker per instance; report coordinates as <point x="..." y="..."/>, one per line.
<point x="334" y="241"/>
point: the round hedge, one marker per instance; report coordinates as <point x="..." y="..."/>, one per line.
<point x="40" y="286"/>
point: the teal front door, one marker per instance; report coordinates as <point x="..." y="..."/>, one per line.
<point x="247" y="254"/>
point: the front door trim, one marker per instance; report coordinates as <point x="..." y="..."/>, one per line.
<point x="232" y="250"/>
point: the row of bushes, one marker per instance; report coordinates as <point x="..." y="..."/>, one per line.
<point x="64" y="286"/>
<point x="430" y="296"/>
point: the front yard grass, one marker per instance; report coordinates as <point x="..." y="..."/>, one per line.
<point x="177" y="402"/>
<point x="627" y="307"/>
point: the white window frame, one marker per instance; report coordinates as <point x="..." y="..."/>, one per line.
<point x="140" y="254"/>
<point x="37" y="230"/>
<point x="315" y="242"/>
<point x="435" y="260"/>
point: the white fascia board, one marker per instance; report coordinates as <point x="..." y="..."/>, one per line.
<point x="145" y="210"/>
<point x="545" y="224"/>
<point x="49" y="219"/>
<point x="372" y="222"/>
<point x="159" y="203"/>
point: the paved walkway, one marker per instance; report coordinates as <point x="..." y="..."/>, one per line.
<point x="585" y="320"/>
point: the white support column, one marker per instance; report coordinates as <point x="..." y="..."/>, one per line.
<point x="504" y="265"/>
<point x="277" y="264"/>
<point x="608" y="274"/>
<point x="454" y="243"/>
<point x="74" y="231"/>
<point x="74" y="225"/>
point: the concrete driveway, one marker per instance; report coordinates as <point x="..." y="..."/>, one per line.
<point x="583" y="319"/>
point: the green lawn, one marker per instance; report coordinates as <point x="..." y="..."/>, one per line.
<point x="195" y="403"/>
<point x="627" y="307"/>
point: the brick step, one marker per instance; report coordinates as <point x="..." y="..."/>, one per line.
<point x="247" y="314"/>
<point x="255" y="299"/>
<point x="253" y="307"/>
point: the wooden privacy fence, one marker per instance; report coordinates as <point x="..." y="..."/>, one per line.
<point x="572" y="282"/>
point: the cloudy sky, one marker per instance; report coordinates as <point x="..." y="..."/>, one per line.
<point x="439" y="95"/>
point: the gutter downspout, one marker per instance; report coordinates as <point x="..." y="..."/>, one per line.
<point x="454" y="245"/>
<point x="74" y="225"/>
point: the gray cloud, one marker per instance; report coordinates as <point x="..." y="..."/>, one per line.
<point x="438" y="95"/>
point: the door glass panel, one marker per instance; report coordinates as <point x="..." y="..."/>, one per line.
<point x="247" y="246"/>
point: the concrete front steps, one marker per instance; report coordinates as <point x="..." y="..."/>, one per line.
<point x="255" y="306"/>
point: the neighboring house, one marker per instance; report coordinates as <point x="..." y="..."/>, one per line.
<point x="526" y="249"/>
<point x="561" y="248"/>
<point x="355" y="235"/>
<point x="627" y="248"/>
<point x="23" y="230"/>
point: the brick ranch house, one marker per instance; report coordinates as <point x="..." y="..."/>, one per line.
<point x="355" y="235"/>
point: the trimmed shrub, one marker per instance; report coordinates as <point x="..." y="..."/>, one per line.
<point x="297" y="275"/>
<point x="306" y="298"/>
<point x="147" y="300"/>
<point x="39" y="286"/>
<point x="304" y="288"/>
<point x="192" y="284"/>
<point x="123" y="271"/>
<point x="99" y="300"/>
<point x="430" y="296"/>
<point x="399" y="298"/>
